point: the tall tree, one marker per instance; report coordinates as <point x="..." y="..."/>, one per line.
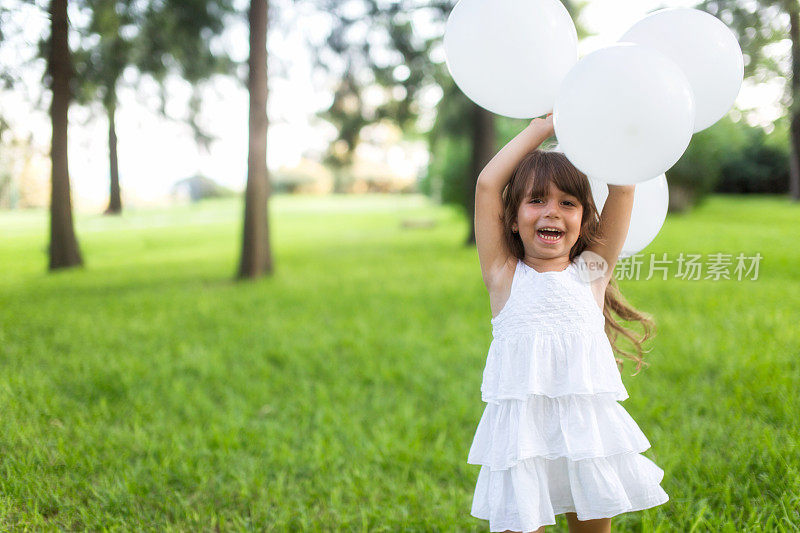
<point x="156" y="38"/>
<point x="64" y="251"/>
<point x="759" y="24"/>
<point x="99" y="67"/>
<point x="255" y="257"/>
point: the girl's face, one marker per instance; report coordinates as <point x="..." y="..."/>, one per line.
<point x="558" y="210"/>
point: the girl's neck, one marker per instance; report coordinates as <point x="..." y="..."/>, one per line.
<point x="554" y="264"/>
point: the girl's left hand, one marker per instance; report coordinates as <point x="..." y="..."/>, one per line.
<point x="546" y="123"/>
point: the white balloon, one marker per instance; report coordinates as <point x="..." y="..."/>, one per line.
<point x="624" y="114"/>
<point x="509" y="56"/>
<point x="704" y="48"/>
<point x="650" y="203"/>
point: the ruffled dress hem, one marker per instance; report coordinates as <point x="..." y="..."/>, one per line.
<point x="600" y="487"/>
<point x="636" y="505"/>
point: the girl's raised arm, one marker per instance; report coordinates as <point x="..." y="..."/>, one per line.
<point x="614" y="224"/>
<point x="498" y="171"/>
<point x="492" y="251"/>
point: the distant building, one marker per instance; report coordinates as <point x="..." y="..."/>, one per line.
<point x="197" y="188"/>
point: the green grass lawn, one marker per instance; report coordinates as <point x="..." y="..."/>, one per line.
<point x="149" y="391"/>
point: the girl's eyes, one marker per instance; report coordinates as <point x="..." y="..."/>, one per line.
<point x="566" y="201"/>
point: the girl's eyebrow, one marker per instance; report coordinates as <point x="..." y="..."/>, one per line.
<point x="570" y="195"/>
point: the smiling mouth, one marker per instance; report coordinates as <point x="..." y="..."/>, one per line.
<point x="550" y="235"/>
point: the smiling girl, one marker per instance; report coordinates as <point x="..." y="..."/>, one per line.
<point x="553" y="437"/>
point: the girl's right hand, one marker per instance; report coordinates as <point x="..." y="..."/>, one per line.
<point x="546" y="123"/>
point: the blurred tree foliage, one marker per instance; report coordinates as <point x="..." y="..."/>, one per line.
<point x="451" y="146"/>
<point x="699" y="170"/>
<point x="178" y="37"/>
<point x="373" y="44"/>
<point x="729" y="157"/>
<point x="759" y="25"/>
<point x="760" y="166"/>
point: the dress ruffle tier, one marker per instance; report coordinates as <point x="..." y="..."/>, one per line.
<point x="553" y="437"/>
<point x="552" y="365"/>
<point x="601" y="487"/>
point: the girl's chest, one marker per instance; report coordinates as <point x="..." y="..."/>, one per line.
<point x="545" y="294"/>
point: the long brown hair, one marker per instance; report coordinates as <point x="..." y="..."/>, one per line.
<point x="535" y="172"/>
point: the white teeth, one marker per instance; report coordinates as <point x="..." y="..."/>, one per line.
<point x="552" y="238"/>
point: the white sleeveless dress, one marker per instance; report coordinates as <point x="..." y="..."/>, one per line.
<point x="553" y="437"/>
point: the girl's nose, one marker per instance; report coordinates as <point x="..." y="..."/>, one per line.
<point x="552" y="206"/>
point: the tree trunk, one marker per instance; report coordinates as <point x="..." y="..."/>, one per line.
<point x="114" y="200"/>
<point x="794" y="111"/>
<point x="64" y="251"/>
<point x="255" y="259"/>
<point x="484" y="139"/>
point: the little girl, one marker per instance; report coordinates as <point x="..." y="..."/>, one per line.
<point x="553" y="438"/>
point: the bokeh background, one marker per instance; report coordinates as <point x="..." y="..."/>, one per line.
<point x="192" y="339"/>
